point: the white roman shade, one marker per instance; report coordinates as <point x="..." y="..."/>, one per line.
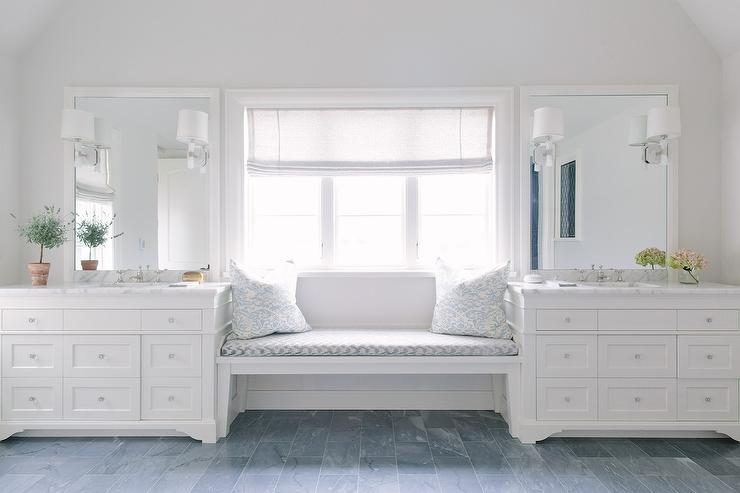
<point x="364" y="141"/>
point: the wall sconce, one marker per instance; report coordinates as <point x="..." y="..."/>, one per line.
<point x="653" y="131"/>
<point x="547" y="128"/>
<point x="78" y="127"/>
<point x="192" y="129"/>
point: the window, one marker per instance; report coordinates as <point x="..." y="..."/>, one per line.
<point x="369" y="187"/>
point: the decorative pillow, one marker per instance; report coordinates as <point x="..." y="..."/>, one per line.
<point x="265" y="306"/>
<point x="473" y="307"/>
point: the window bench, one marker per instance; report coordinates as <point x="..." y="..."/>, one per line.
<point x="369" y="352"/>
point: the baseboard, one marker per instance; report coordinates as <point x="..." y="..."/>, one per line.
<point x="373" y="399"/>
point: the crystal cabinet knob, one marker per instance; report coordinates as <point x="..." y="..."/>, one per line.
<point x="171" y="356"/>
<point x="566" y="356"/>
<point x="567" y="320"/>
<point x="710" y="356"/>
<point x="637" y="399"/>
<point x="101" y="399"/>
<point x="31" y="320"/>
<point x="171" y="320"/>
<point x="707" y="399"/>
<point x="101" y="356"/>
<point x="171" y="398"/>
<point x="709" y="320"/>
<point x="32" y="399"/>
<point x="31" y="356"/>
<point x="566" y="398"/>
<point x="637" y="356"/>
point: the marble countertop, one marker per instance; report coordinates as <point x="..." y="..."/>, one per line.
<point x="112" y="289"/>
<point x="656" y="288"/>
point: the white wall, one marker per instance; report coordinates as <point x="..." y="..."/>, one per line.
<point x="9" y="169"/>
<point x="731" y="169"/>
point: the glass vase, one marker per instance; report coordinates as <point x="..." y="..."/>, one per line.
<point x="688" y="276"/>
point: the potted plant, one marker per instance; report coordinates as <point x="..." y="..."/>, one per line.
<point x="93" y="231"/>
<point x="689" y="262"/>
<point x="48" y="230"/>
<point x="650" y="256"/>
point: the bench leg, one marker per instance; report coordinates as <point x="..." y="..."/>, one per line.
<point x="223" y="399"/>
<point x="514" y="399"/>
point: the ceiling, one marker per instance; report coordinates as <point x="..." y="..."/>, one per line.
<point x="23" y="20"/>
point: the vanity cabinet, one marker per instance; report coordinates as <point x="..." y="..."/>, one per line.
<point x="137" y="360"/>
<point x="628" y="360"/>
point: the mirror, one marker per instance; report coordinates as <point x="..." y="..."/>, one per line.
<point x="142" y="178"/>
<point x="593" y="198"/>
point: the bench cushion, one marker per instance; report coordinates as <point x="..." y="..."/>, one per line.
<point x="368" y="342"/>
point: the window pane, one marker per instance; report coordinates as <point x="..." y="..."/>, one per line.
<point x="453" y="194"/>
<point x="284" y="220"/>
<point x="369" y="220"/>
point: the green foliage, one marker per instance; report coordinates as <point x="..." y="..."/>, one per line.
<point x="650" y="256"/>
<point x="94" y="231"/>
<point x="48" y="229"/>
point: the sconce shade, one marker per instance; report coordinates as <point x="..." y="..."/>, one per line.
<point x="103" y="134"/>
<point x="663" y="123"/>
<point x="638" y="130"/>
<point x="78" y="126"/>
<point x="192" y="127"/>
<point x="548" y="125"/>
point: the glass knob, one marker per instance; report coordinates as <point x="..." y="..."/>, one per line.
<point x="567" y="320"/>
<point x="707" y="399"/>
<point x="171" y="320"/>
<point x="637" y="356"/>
<point x="709" y="320"/>
<point x="710" y="356"/>
<point x="31" y="356"/>
<point x="566" y="398"/>
<point x="31" y="320"/>
<point x="637" y="399"/>
<point x="171" y="398"/>
<point x="101" y="398"/>
<point x="566" y="356"/>
<point x="32" y="399"/>
<point x="171" y="356"/>
<point x="101" y="356"/>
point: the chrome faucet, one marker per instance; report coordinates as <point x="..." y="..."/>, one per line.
<point x="600" y="274"/>
<point x="139" y="276"/>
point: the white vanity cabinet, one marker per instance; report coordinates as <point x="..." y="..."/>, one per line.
<point x="601" y="360"/>
<point x="87" y="359"/>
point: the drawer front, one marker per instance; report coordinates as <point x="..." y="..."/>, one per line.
<point x="637" y="399"/>
<point x="566" y="356"/>
<point x="102" y="320"/>
<point x="32" y="356"/>
<point x="32" y="320"/>
<point x="101" y="356"/>
<point x="171" y="319"/>
<point x="171" y="356"/>
<point x="708" y="319"/>
<point x="708" y="356"/>
<point x="101" y="399"/>
<point x="637" y="356"/>
<point x="566" y="398"/>
<point x="707" y="400"/>
<point x="31" y="398"/>
<point x="171" y="398"/>
<point x="566" y="319"/>
<point x="637" y="320"/>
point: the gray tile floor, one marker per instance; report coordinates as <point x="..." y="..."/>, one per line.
<point x="369" y="451"/>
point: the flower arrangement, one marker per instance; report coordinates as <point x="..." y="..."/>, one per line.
<point x="651" y="256"/>
<point x="48" y="230"/>
<point x="688" y="261"/>
<point x="93" y="231"/>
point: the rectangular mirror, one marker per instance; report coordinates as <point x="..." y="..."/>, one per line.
<point x="139" y="179"/>
<point x="593" y="199"/>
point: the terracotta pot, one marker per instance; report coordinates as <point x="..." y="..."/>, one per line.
<point x="39" y="273"/>
<point x="89" y="264"/>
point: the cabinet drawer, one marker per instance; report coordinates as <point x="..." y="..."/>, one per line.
<point x="708" y="356"/>
<point x="32" y="320"/>
<point x="708" y="319"/>
<point x="637" y="356"/>
<point x="637" y="399"/>
<point x="566" y="319"/>
<point x="171" y="319"/>
<point x="707" y="400"/>
<point x="566" y="398"/>
<point x="637" y="319"/>
<point x="101" y="356"/>
<point x="566" y="356"/>
<point x="102" y="320"/>
<point x="32" y="356"/>
<point x="101" y="399"/>
<point x="171" y="356"/>
<point x="31" y="398"/>
<point x="171" y="398"/>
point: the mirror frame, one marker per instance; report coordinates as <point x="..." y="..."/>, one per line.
<point x="214" y="168"/>
<point x="525" y="92"/>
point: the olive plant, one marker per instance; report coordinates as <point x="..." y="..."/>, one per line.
<point x="48" y="229"/>
<point x="93" y="231"/>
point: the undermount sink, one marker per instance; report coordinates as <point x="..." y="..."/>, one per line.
<point x="617" y="284"/>
<point x="129" y="284"/>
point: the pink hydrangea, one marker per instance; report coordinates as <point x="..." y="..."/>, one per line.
<point x="687" y="260"/>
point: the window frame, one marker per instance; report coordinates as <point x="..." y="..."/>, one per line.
<point x="505" y="176"/>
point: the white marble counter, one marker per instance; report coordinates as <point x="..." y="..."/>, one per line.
<point x="92" y="289"/>
<point x="629" y="289"/>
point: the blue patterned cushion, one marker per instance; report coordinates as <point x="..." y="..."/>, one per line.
<point x="262" y="307"/>
<point x="367" y="342"/>
<point x="473" y="307"/>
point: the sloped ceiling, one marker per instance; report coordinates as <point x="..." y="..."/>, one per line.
<point x="22" y="20"/>
<point x="718" y="20"/>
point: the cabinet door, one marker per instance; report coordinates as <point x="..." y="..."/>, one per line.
<point x="637" y="356"/>
<point x="31" y="355"/>
<point x="101" y="356"/>
<point x="566" y="399"/>
<point x="31" y="398"/>
<point x="566" y="320"/>
<point x="708" y="319"/>
<point x="32" y="320"/>
<point x="102" y="320"/>
<point x="566" y="356"/>
<point x="97" y="399"/>
<point x="637" y="319"/>
<point x="708" y="356"/>
<point x="171" y="356"/>
<point x="171" y="398"/>
<point x="707" y="400"/>
<point x="637" y="399"/>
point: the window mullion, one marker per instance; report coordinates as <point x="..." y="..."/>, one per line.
<point x="327" y="222"/>
<point x="411" y="221"/>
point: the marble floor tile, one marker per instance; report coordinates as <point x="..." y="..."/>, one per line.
<point x="409" y="429"/>
<point x="418" y="483"/>
<point x="344" y="483"/>
<point x="487" y="458"/>
<point x="378" y="475"/>
<point x="414" y="458"/>
<point x="268" y="458"/>
<point x="341" y="458"/>
<point x="446" y="442"/>
<point x="221" y="475"/>
<point x="500" y="483"/>
<point x="456" y="475"/>
<point x="377" y="442"/>
<point x="299" y="475"/>
<point x="255" y="484"/>
<point x="309" y="442"/>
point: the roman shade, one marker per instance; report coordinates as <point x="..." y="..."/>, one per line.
<point x="366" y="141"/>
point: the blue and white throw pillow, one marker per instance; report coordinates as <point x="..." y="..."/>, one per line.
<point x="264" y="306"/>
<point x="474" y="306"/>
